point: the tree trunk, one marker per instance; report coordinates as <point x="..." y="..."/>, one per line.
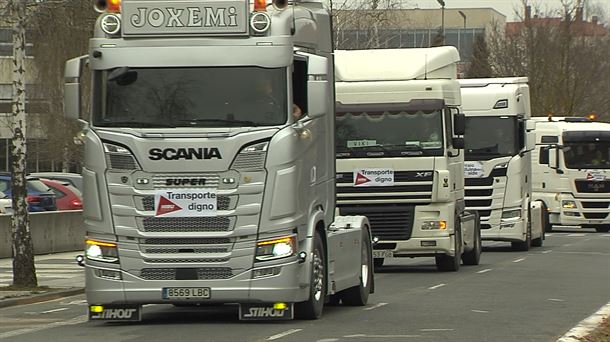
<point x="24" y="272"/>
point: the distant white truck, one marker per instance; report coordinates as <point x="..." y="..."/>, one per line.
<point x="571" y="172"/>
<point x="399" y="154"/>
<point x="499" y="140"/>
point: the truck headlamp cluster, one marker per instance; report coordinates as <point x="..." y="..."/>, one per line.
<point x="111" y="24"/>
<point x="120" y="158"/>
<point x="568" y="204"/>
<point x="260" y="22"/>
<point x="276" y="248"/>
<point x="101" y="251"/>
<point x="511" y="214"/>
<point x="434" y="225"/>
<point x="501" y="166"/>
<point x="251" y="157"/>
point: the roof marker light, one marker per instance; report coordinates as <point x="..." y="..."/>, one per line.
<point x="260" y="5"/>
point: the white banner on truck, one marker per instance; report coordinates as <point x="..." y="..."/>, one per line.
<point x="473" y="169"/>
<point x="185" y="202"/>
<point x="374" y="177"/>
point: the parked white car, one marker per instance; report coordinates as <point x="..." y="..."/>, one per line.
<point x="6" y="204"/>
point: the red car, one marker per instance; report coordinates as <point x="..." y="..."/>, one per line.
<point x="68" y="197"/>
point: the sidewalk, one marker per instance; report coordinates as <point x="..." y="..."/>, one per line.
<point x="59" y="272"/>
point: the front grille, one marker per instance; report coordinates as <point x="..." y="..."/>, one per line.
<point x="224" y="202"/>
<point x="204" y="273"/>
<point x="484" y="213"/>
<point x="121" y="162"/>
<point x="186" y="241"/>
<point x="586" y="186"/>
<point x="595" y="205"/>
<point x="478" y="203"/>
<point x="487" y="181"/>
<point x="595" y="216"/>
<point x="388" y="222"/>
<point x="186" y="224"/>
<point x="173" y="250"/>
<point x="478" y="193"/>
<point x="249" y="161"/>
<point x="185" y="260"/>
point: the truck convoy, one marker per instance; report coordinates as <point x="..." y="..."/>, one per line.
<point x="499" y="140"/>
<point x="571" y="171"/>
<point x="399" y="154"/>
<point x="200" y="186"/>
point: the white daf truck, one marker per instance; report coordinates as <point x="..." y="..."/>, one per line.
<point x="201" y="186"/>
<point x="571" y="172"/>
<point x="399" y="154"/>
<point x="499" y="140"/>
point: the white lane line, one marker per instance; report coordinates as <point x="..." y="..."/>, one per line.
<point x="567" y="245"/>
<point x="424" y="330"/>
<point x="379" y="336"/>
<point x="283" y="334"/>
<point x="547" y="252"/>
<point x="519" y="260"/>
<point x="555" y="300"/>
<point x="54" y="310"/>
<point x="548" y="234"/>
<point x="436" y="286"/>
<point x="586" y="326"/>
<point x="480" y="311"/>
<point x="485" y="270"/>
<point x="375" y="306"/>
<point x="578" y="234"/>
<point x="73" y="321"/>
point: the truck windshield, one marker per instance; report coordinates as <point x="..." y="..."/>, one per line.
<point x="587" y="155"/>
<point x="190" y="97"/>
<point x="491" y="137"/>
<point x="389" y="134"/>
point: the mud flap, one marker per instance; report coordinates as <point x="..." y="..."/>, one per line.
<point x="266" y="312"/>
<point x="115" y="313"/>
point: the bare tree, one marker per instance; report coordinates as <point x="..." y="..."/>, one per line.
<point x="479" y="65"/>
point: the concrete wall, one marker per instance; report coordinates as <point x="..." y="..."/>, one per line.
<point x="52" y="232"/>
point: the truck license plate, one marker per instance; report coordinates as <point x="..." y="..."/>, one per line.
<point x="383" y="254"/>
<point x="186" y="293"/>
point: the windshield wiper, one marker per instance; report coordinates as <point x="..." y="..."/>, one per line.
<point x="135" y="124"/>
<point x="229" y="121"/>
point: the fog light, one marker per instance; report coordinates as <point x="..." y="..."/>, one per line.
<point x="280" y="306"/>
<point x="108" y="274"/>
<point x="265" y="272"/>
<point x="96" y="308"/>
<point x="428" y="243"/>
<point x="571" y="213"/>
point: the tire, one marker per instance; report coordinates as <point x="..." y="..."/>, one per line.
<point x="546" y="222"/>
<point x="523" y="246"/>
<point x="378" y="262"/>
<point x="359" y="295"/>
<point x="446" y="263"/>
<point x="537" y="242"/>
<point x="602" y="229"/>
<point x="474" y="256"/>
<point x="312" y="308"/>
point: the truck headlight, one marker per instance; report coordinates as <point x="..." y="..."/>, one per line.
<point x="251" y="157"/>
<point x="568" y="204"/>
<point x="101" y="251"/>
<point x="120" y="157"/>
<point x="434" y="225"/>
<point x="276" y="248"/>
<point x="511" y="214"/>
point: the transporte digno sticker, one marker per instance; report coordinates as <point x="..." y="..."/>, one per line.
<point x="373" y="177"/>
<point x="185" y="202"/>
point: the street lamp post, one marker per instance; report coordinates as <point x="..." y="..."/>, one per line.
<point x="463" y="17"/>
<point x="442" y="3"/>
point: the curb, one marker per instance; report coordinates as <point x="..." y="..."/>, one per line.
<point x="586" y="326"/>
<point x="43" y="297"/>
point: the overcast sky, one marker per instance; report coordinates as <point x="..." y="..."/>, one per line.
<point x="506" y="7"/>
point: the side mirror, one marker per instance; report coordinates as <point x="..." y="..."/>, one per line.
<point x="72" y="95"/>
<point x="530" y="140"/>
<point x="554" y="159"/>
<point x="530" y="125"/>
<point x="2" y="194"/>
<point x="458" y="143"/>
<point x="317" y="93"/>
<point x="459" y="124"/>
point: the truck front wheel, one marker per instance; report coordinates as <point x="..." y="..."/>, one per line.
<point x="359" y="295"/>
<point x="473" y="256"/>
<point x="312" y="308"/>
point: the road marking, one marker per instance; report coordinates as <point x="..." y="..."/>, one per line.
<point x="424" y="330"/>
<point x="555" y="300"/>
<point x="54" y="310"/>
<point x="567" y="245"/>
<point x="485" y="270"/>
<point x="577" y="234"/>
<point x="283" y="334"/>
<point x="480" y="311"/>
<point x="75" y="302"/>
<point x="73" y="321"/>
<point x="519" y="260"/>
<point x="436" y="286"/>
<point x="375" y="306"/>
<point x="586" y="326"/>
<point x="585" y="253"/>
<point x="379" y="336"/>
<point x="547" y="252"/>
<point x="548" y="234"/>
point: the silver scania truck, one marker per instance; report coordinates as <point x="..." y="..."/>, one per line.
<point x="201" y="184"/>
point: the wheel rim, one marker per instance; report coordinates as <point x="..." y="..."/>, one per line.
<point x="318" y="276"/>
